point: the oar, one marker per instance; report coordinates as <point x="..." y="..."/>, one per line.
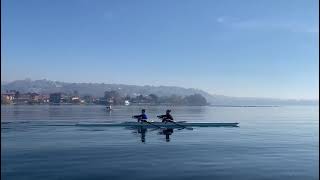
<point x="153" y="124"/>
<point x="178" y="124"/>
<point x="189" y="128"/>
<point x="150" y="123"/>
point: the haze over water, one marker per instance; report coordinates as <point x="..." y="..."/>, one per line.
<point x="266" y="48"/>
<point x="270" y="143"/>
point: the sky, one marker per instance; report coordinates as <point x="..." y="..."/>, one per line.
<point x="247" y="48"/>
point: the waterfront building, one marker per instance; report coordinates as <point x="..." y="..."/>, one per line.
<point x="8" y="96"/>
<point x="55" y="98"/>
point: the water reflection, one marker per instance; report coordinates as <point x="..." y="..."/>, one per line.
<point x="142" y="131"/>
<point x="109" y="113"/>
<point x="167" y="132"/>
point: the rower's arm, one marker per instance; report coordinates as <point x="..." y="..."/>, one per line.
<point x="137" y="116"/>
<point x="162" y="116"/>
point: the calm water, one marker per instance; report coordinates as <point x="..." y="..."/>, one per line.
<point x="41" y="142"/>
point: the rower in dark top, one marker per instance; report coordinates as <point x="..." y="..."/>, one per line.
<point x="167" y="117"/>
<point x="142" y="117"/>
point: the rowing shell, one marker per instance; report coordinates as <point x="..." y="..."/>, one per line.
<point x="161" y="124"/>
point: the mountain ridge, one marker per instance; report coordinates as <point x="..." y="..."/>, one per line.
<point x="97" y="89"/>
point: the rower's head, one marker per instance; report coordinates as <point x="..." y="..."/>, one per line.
<point x="143" y="111"/>
<point x="168" y="111"/>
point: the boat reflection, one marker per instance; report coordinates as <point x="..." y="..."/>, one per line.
<point x="142" y="131"/>
<point x="167" y="132"/>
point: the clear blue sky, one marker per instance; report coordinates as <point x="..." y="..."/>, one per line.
<point x="265" y="48"/>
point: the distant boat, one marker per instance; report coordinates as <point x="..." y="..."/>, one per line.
<point x="109" y="108"/>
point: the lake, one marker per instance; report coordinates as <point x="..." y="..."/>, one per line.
<point x="42" y="142"/>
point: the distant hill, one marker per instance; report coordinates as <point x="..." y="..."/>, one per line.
<point x="98" y="89"/>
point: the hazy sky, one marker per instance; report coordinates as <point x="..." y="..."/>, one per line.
<point x="257" y="48"/>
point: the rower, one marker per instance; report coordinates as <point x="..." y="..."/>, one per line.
<point x="167" y="117"/>
<point x="142" y="117"/>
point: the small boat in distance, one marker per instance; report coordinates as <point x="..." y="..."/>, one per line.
<point x="109" y="108"/>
